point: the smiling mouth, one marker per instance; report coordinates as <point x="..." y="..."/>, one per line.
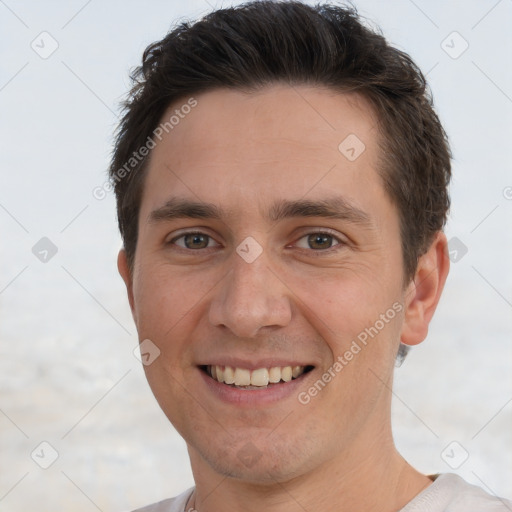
<point x="260" y="378"/>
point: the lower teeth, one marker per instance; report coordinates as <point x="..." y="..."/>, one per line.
<point x="270" y="384"/>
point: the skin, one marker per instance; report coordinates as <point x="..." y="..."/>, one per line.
<point x="296" y="301"/>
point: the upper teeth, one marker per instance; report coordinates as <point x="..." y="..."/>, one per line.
<point x="258" y="377"/>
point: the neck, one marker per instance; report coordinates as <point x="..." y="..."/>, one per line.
<point x="369" y="477"/>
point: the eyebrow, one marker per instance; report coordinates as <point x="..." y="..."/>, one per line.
<point x="335" y="207"/>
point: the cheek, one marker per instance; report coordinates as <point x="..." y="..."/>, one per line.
<point x="161" y="300"/>
<point x="358" y="317"/>
<point x="344" y="301"/>
<point x="171" y="303"/>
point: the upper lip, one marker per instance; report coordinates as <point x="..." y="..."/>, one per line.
<point x="269" y="362"/>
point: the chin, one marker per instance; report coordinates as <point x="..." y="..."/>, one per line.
<point x="255" y="462"/>
<point x="264" y="472"/>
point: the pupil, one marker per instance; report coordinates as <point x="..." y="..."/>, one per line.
<point x="319" y="241"/>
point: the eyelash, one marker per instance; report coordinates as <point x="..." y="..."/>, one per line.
<point x="340" y="243"/>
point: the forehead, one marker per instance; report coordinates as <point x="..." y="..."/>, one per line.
<point x="282" y="142"/>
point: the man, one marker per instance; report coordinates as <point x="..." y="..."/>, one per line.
<point x="281" y="181"/>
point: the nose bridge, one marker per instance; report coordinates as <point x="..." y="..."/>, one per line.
<point x="251" y="297"/>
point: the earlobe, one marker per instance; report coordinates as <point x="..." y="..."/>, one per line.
<point x="424" y="291"/>
<point x="125" y="272"/>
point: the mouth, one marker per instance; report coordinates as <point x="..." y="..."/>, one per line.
<point x="260" y="378"/>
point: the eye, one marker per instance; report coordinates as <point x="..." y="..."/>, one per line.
<point x="194" y="240"/>
<point x="318" y="241"/>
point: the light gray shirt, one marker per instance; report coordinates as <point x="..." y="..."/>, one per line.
<point x="448" y="493"/>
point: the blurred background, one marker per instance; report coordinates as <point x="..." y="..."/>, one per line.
<point x="79" y="426"/>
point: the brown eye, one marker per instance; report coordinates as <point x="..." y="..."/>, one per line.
<point x="318" y="241"/>
<point x="193" y="241"/>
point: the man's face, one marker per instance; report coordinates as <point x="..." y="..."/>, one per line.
<point x="273" y="281"/>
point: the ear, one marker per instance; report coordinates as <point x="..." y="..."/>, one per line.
<point x="124" y="270"/>
<point x="424" y="291"/>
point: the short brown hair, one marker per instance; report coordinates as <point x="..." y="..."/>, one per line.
<point x="263" y="42"/>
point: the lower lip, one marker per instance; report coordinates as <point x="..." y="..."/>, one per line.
<point x="253" y="397"/>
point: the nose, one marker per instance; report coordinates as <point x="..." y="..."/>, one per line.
<point x="250" y="298"/>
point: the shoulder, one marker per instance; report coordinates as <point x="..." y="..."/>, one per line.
<point x="176" y="504"/>
<point x="450" y="493"/>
